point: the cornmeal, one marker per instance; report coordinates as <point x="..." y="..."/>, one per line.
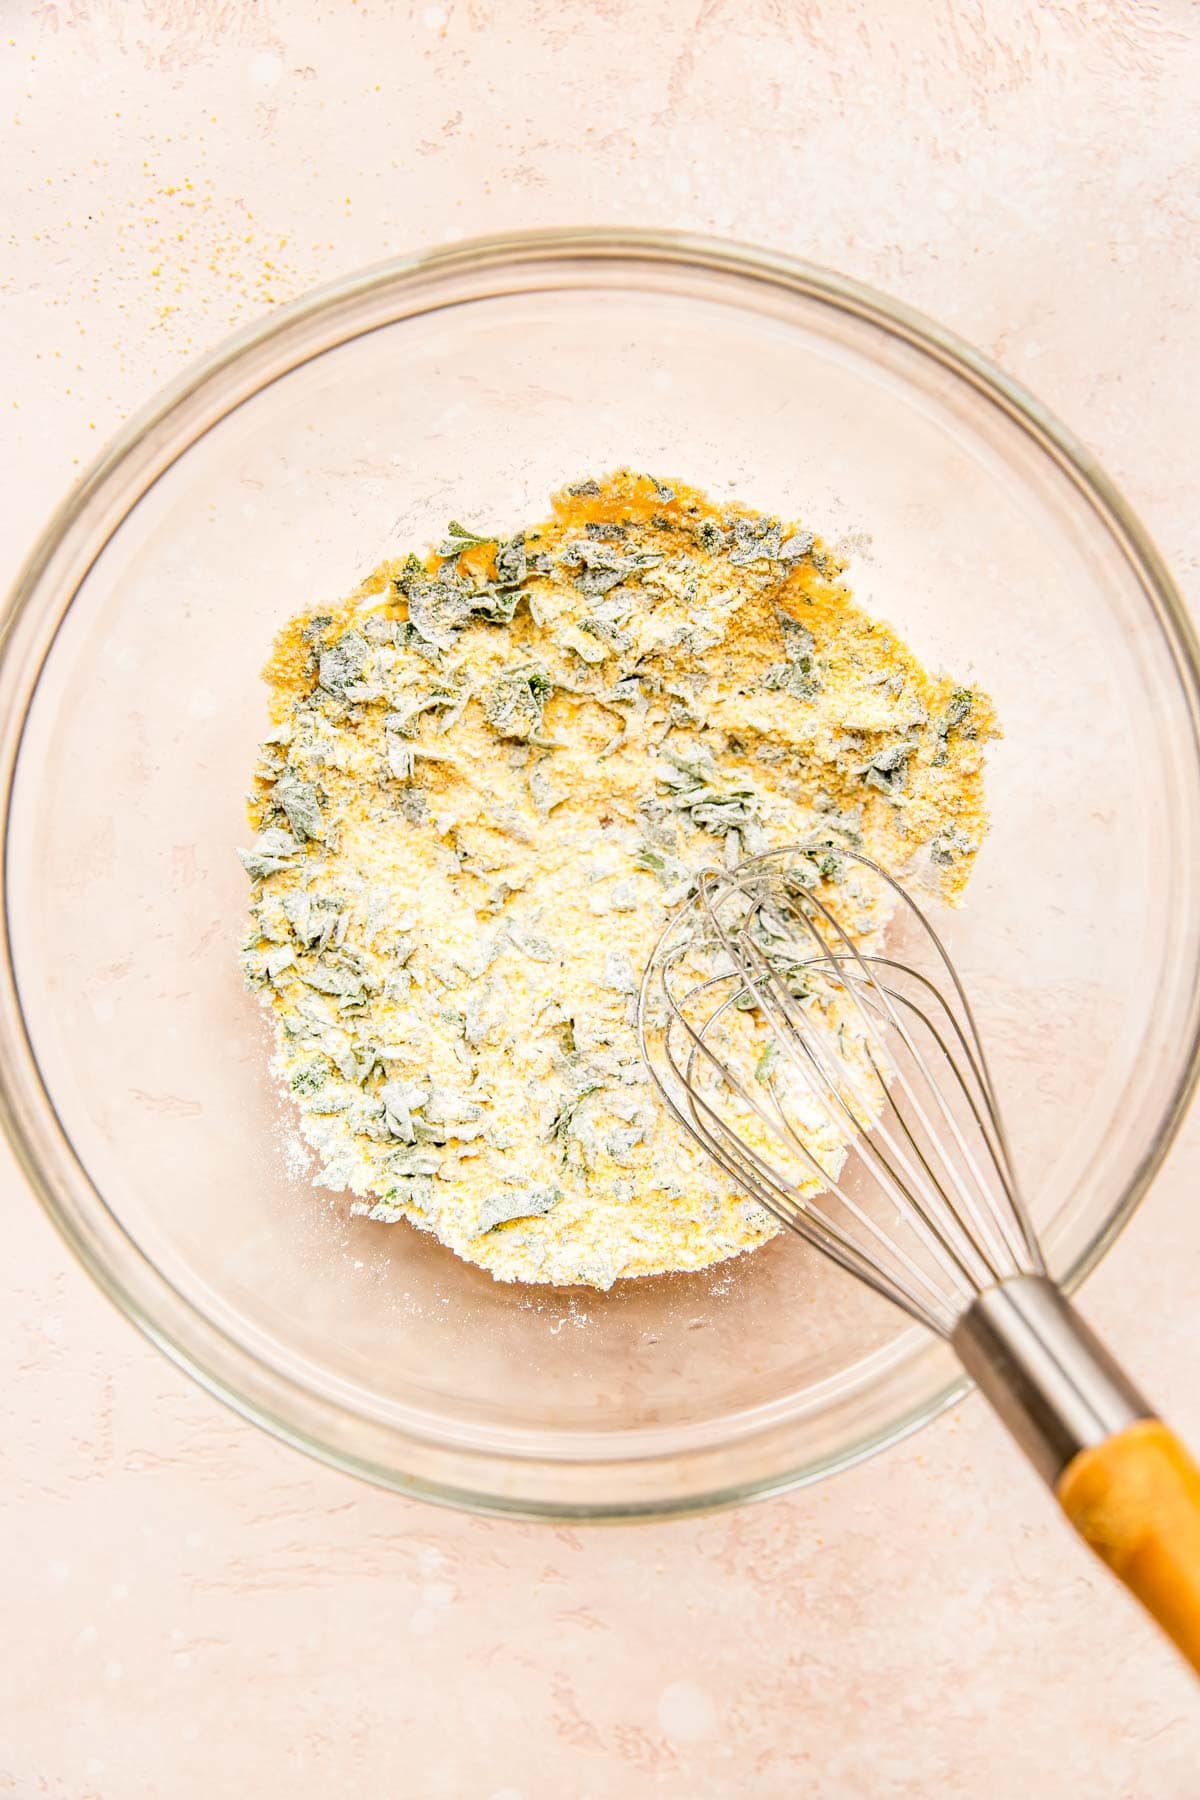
<point x="493" y="771"/>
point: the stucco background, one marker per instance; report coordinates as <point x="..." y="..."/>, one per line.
<point x="190" y="1610"/>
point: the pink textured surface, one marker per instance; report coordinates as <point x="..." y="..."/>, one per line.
<point x="190" y="1609"/>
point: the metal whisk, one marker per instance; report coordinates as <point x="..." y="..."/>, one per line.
<point x="803" y="1021"/>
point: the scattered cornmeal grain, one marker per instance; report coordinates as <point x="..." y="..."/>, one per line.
<point x="493" y="770"/>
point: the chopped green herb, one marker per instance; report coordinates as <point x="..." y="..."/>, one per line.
<point x="400" y="1101"/>
<point x="512" y="563"/>
<point x="514" y="703"/>
<point x="339" y="979"/>
<point x="460" y="538"/>
<point x="299" y="802"/>
<point x="796" y="675"/>
<point x="601" y="567"/>
<point x="711" y="538"/>
<point x="568" y="1110"/>
<point x="273" y="850"/>
<point x="310" y="1076"/>
<point x="341" y="665"/>
<point x="887" y="769"/>
<point x="516" y="1203"/>
<point x="951" y="719"/>
<point x="314" y="918"/>
<point x="754" y="540"/>
<point x="711" y="802"/>
<point x="949" y="844"/>
<point x="530" y="943"/>
<point x="439" y="609"/>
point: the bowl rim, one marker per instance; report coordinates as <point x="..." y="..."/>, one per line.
<point x="152" y="441"/>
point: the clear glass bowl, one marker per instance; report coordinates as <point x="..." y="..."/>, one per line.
<point x="469" y="383"/>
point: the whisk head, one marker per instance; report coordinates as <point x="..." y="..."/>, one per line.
<point x="804" y="1023"/>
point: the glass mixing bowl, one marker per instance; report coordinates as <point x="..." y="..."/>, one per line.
<point x="469" y="384"/>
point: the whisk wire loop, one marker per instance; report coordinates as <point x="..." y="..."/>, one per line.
<point x="861" y="1061"/>
<point x="751" y="1171"/>
<point x="987" y="1243"/>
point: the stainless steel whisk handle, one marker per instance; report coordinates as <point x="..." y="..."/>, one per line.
<point x="1121" y="1476"/>
<point x="1046" y="1372"/>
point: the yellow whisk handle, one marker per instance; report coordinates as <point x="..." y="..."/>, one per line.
<point x="1136" y="1500"/>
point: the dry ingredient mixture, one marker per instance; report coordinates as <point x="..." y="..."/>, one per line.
<point x="493" y="771"/>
